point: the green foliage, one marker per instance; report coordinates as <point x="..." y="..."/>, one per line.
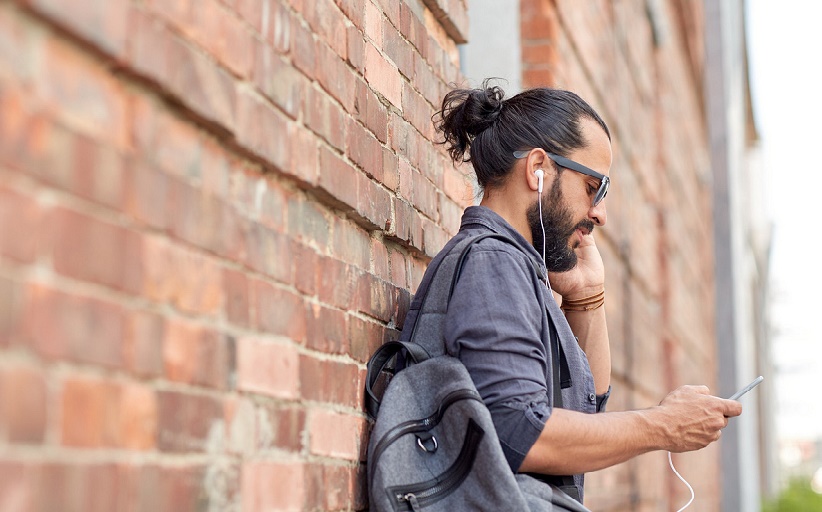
<point x="797" y="497"/>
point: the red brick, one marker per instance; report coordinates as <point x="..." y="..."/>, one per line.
<point x="203" y="219"/>
<point x="383" y="76"/>
<point x="431" y="86"/>
<point x="200" y="85"/>
<point x="148" y="196"/>
<point x="23" y="396"/>
<point x="399" y="273"/>
<point x="263" y="130"/>
<point x="338" y="180"/>
<point x="404" y="138"/>
<point x="225" y="36"/>
<point x="138" y="417"/>
<point x="91" y="250"/>
<point x="305" y="268"/>
<point x="21" y="225"/>
<point x="90" y="410"/>
<point x="268" y="367"/>
<point x="380" y="258"/>
<point x="169" y="144"/>
<point x="373" y="204"/>
<point x="325" y="118"/>
<point x="195" y="355"/>
<point x="253" y="12"/>
<point x="326" y="330"/>
<point x="180" y="13"/>
<point x="372" y="23"/>
<point x="272" y="486"/>
<point x="269" y="252"/>
<point x="333" y="434"/>
<point x="434" y="238"/>
<point x="188" y="422"/>
<point x="303" y="49"/>
<point x="425" y="195"/>
<point x="458" y="186"/>
<point x="328" y="23"/>
<point x="237" y="298"/>
<point x="353" y="10"/>
<point x="334" y="75"/>
<point x="62" y="326"/>
<point x="279" y="426"/>
<point x="279" y="31"/>
<point x="430" y="162"/>
<point x="364" y="150"/>
<point x="391" y="171"/>
<point x="351" y="244"/>
<point x="418" y="111"/>
<point x="92" y="487"/>
<point x="329" y="487"/>
<point x="182" y="278"/>
<point x="370" y="111"/>
<point x="365" y="336"/>
<point x="274" y="205"/>
<point x="99" y="172"/>
<point x="304" y="147"/>
<point x="541" y="53"/>
<point x="309" y="222"/>
<point x="279" y="81"/>
<point x="84" y="94"/>
<point x="398" y="50"/>
<point x="355" y="48"/>
<point x="15" y="488"/>
<point x="143" y="344"/>
<point x="330" y="381"/>
<point x="407" y="227"/>
<point x="450" y="214"/>
<point x="376" y="298"/>
<point x="150" y="42"/>
<point x="279" y="312"/>
<point x="337" y="282"/>
<point x="11" y="307"/>
<point x="405" y="173"/>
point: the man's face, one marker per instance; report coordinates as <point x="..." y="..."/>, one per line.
<point x="560" y="230"/>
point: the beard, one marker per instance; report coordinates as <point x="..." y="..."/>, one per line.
<point x="559" y="228"/>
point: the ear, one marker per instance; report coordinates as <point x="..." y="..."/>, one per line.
<point x="536" y="160"/>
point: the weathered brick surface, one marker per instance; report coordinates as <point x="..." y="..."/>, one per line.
<point x="211" y="214"/>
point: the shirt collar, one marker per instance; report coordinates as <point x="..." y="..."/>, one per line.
<point x="482" y="216"/>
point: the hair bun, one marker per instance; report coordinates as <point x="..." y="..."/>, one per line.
<point x="467" y="113"/>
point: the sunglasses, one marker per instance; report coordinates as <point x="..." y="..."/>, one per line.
<point x="604" y="181"/>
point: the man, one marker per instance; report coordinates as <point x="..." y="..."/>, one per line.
<point x="543" y="160"/>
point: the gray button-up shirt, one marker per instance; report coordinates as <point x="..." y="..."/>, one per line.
<point x="498" y="326"/>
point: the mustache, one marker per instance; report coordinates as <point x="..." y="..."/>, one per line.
<point x="586" y="225"/>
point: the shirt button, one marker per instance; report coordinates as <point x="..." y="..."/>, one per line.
<point x="592" y="397"/>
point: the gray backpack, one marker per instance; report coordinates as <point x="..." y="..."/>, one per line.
<point x="433" y="445"/>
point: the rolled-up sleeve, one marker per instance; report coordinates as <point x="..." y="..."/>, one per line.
<point x="494" y="327"/>
<point x="602" y="400"/>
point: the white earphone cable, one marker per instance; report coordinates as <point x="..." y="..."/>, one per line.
<point x="671" y="462"/>
<point x="542" y="225"/>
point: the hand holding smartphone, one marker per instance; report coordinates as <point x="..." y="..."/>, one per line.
<point x="738" y="394"/>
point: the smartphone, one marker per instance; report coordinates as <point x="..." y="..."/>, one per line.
<point x="738" y="394"/>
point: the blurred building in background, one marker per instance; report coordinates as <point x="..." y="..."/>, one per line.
<point x="212" y="212"/>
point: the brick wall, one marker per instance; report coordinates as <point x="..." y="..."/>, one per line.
<point x="211" y="212"/>
<point x="641" y="65"/>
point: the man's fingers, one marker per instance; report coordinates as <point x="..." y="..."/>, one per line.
<point x="732" y="408"/>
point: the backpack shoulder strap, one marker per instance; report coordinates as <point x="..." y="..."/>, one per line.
<point x="426" y="339"/>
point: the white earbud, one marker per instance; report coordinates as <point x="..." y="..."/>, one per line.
<point x="540" y="175"/>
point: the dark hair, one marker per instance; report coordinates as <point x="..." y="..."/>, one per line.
<point x="489" y="128"/>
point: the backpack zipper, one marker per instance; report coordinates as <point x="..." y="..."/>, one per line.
<point x="428" y="423"/>
<point x="416" y="496"/>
